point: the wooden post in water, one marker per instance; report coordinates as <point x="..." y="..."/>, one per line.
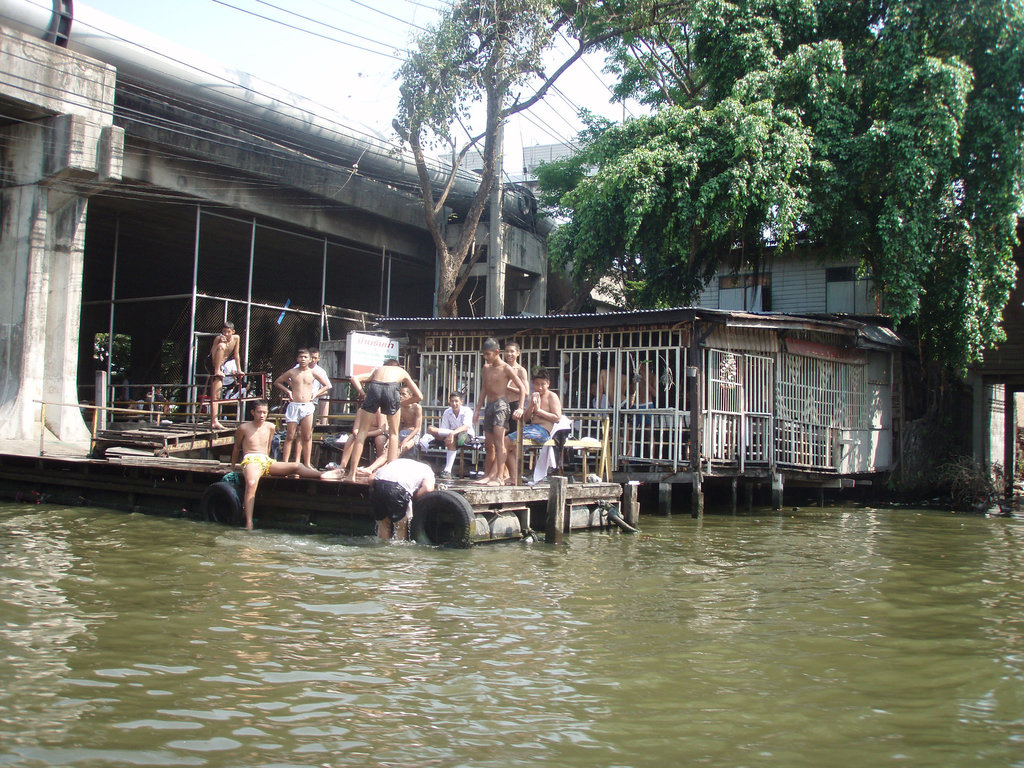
<point x="631" y="503"/>
<point x="694" y="359"/>
<point x="748" y="496"/>
<point x="776" y="490"/>
<point x="665" y="498"/>
<point x="733" y="488"/>
<point x="697" y="498"/>
<point x="557" y="516"/>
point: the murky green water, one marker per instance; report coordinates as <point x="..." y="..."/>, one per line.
<point x="836" y="637"/>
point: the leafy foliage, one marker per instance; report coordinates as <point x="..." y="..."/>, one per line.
<point x="890" y="132"/>
<point x="485" y="55"/>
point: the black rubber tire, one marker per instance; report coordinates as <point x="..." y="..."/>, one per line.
<point x="221" y="502"/>
<point x="442" y="519"/>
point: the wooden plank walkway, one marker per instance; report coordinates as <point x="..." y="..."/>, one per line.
<point x="162" y="439"/>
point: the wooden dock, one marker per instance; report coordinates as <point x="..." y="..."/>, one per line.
<point x="179" y="487"/>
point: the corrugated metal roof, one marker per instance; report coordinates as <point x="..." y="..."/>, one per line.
<point x="871" y="334"/>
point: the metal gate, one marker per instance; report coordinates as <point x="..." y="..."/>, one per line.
<point x="817" y="398"/>
<point x="633" y="379"/>
<point x="739" y="415"/>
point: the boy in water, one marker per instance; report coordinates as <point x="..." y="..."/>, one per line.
<point x="223" y="351"/>
<point x="252" y="441"/>
<point x="381" y="394"/>
<point x="297" y="384"/>
<point x="392" y="492"/>
<point x="497" y="381"/>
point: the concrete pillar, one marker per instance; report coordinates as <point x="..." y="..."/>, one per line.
<point x="66" y="251"/>
<point x="52" y="165"/>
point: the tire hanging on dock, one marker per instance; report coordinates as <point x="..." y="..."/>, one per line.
<point x="221" y="502"/>
<point x="442" y="518"/>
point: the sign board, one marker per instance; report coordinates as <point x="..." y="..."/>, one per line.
<point x="825" y="351"/>
<point x="366" y="351"/>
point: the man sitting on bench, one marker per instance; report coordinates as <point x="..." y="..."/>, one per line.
<point x="543" y="412"/>
<point x="456" y="428"/>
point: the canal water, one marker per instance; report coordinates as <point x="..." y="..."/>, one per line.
<point x="826" y="637"/>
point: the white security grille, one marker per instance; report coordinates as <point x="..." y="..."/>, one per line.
<point x="815" y="398"/>
<point x="633" y="378"/>
<point x="739" y="416"/>
<point x="453" y="363"/>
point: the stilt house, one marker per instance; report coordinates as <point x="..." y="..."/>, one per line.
<point x="687" y="395"/>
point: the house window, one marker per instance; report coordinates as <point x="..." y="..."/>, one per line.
<point x="745" y="293"/>
<point x="846" y="292"/>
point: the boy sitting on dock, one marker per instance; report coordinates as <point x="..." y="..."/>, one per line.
<point x="297" y="384"/>
<point x="252" y="442"/>
<point x="381" y="394"/>
<point x="543" y="411"/>
<point x="497" y="380"/>
<point x="456" y="428"/>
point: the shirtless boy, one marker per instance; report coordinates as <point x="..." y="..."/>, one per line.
<point x="410" y="423"/>
<point x="225" y="347"/>
<point x="512" y="353"/>
<point x="323" y="404"/>
<point x="252" y="441"/>
<point x="297" y="384"/>
<point x="497" y="381"/>
<point x="543" y="410"/>
<point x="381" y="393"/>
<point x="522" y="376"/>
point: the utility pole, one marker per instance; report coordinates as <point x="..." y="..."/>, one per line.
<point x="495" y="304"/>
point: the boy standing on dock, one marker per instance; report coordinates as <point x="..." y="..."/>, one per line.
<point x="497" y="380"/>
<point x="322" y="404"/>
<point x="223" y="351"/>
<point x="297" y="384"/>
<point x="512" y="353"/>
<point x="381" y="394"/>
<point x="252" y="442"/>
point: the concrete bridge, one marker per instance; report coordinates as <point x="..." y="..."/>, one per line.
<point x="149" y="199"/>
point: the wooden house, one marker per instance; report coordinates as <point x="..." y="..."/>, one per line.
<point x="692" y="395"/>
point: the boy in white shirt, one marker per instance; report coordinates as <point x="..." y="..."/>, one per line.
<point x="456" y="428"/>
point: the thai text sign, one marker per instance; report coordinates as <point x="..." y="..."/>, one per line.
<point x="366" y="352"/>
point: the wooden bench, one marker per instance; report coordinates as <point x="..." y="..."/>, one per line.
<point x="587" y="446"/>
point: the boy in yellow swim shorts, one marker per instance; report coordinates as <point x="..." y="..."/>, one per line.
<point x="252" y="442"/>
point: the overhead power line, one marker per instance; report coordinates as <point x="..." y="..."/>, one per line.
<point x="310" y="31"/>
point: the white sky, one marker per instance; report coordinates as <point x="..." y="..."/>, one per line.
<point x="353" y="71"/>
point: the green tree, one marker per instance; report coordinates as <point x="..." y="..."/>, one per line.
<point x="887" y="132"/>
<point x="485" y="55"/>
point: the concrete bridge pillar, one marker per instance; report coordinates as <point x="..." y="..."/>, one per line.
<point x="49" y="166"/>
